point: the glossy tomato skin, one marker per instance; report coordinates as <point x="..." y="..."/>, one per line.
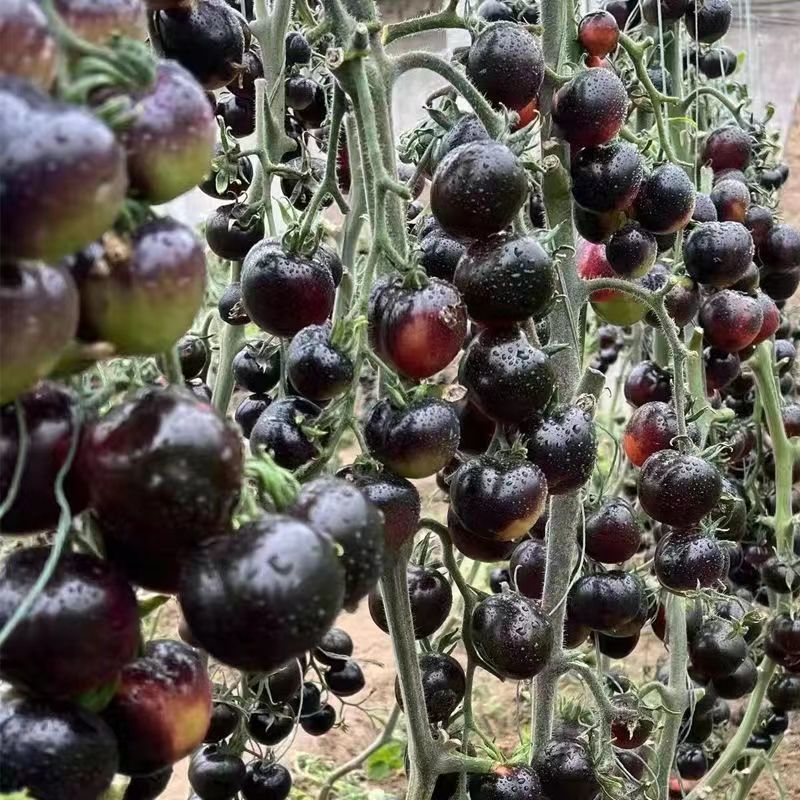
<point x="669" y="11"/>
<point x="339" y="509"/>
<point x="315" y="367"/>
<point x="443" y="686"/>
<point x="477" y="429"/>
<point x="430" y="596"/>
<point x="498" y="497"/>
<point x="739" y="683"/>
<point x="27" y="45"/>
<point x="282" y="292"/>
<point x="716" y="650"/>
<point x="731" y="198"/>
<point x="704" y="209"/>
<point x="652" y="427"/>
<point x="507" y="378"/>
<point x="440" y="254"/>
<point x="467" y="128"/>
<point x="66" y="186"/>
<point x="57" y="751"/>
<point x="161" y="708"/>
<point x="631" y="251"/>
<point x="612" y="533"/>
<point x="143" y="295"/>
<point x="565" y="769"/>
<point x="607" y="177"/>
<point x="268" y="728"/>
<point x="396" y="497"/>
<point x="207" y="39"/>
<point x="231" y="231"/>
<point x="687" y="562"/>
<point x="243" y="85"/>
<point x="731" y="320"/>
<point x="418" y="331"/>
<point x="506" y="64"/>
<point x="718" y="253"/>
<point x="170" y="142"/>
<point x="512" y="635"/>
<point x="249" y="410"/>
<point x="230" y="307"/>
<point x="50" y="413"/>
<point x="81" y="630"/>
<point x="597" y="228"/>
<point x="279" y="430"/>
<point x="598" y="33"/>
<point x="678" y="489"/>
<point x="665" y="201"/>
<point x="647" y="382"/>
<point x="590" y="109"/>
<point x="257" y="370"/>
<point x="224" y="720"/>
<point x="506" y="782"/>
<point x="527" y="567"/>
<point x="214" y="773"/>
<point x="563" y="444"/>
<point x="282" y="580"/>
<point x="606" y="601"/>
<point x="265" y="780"/>
<point x="505" y="279"/>
<point x="708" y="20"/>
<point x="147" y="462"/>
<point x="728" y="147"/>
<point x="780" y="249"/>
<point x="477" y="189"/>
<point x="148" y="787"/>
<point x="234" y="184"/>
<point x="416" y="441"/>
<point x="478" y="548"/>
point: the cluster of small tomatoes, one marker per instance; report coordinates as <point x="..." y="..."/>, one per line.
<point x="152" y="491"/>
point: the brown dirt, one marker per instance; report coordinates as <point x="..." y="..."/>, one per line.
<point x="496" y="704"/>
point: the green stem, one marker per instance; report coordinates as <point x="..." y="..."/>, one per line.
<point x="231" y="342"/>
<point x="446" y="18"/>
<point x="710" y="91"/>
<point x="171" y="364"/>
<point x="23" y="442"/>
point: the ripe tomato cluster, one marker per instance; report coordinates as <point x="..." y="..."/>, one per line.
<point x="569" y="229"/>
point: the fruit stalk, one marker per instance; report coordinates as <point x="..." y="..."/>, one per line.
<point x="448" y="17"/>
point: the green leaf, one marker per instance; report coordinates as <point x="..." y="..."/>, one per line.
<point x="385" y="760"/>
<point x="95" y="700"/>
<point x="23" y="795"/>
<point x="151" y="604"/>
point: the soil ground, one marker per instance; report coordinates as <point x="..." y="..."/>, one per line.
<point x="496" y="703"/>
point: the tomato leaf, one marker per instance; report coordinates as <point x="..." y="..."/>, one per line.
<point x="151" y="604"/>
<point x="385" y="760"/>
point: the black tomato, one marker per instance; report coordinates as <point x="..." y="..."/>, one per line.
<point x="617" y="647"/>
<point x="704" y="209"/>
<point x="281" y="431"/>
<point x="780" y="286"/>
<point x="708" y="20"/>
<point x="507" y="378"/>
<point x="784" y="692"/>
<point x="565" y="769"/>
<point x="39" y="313"/>
<point x="417" y="331"/>
<point x="477" y="189"/>
<point x="597" y="228"/>
<point x="144" y="293"/>
<point x="335" y="648"/>
<point x="652" y="427"/>
<point x="780" y="250"/>
<point x="605" y="601"/>
<point x="512" y="634"/>
<point x="208" y="39"/>
<point x="346" y="679"/>
<point x="145" y="496"/>
<point x="721" y="368"/>
<point x="506" y="64"/>
<point x="506" y="278"/>
<point x="396" y="497"/>
<point x="315" y="367"/>
<point x="647" y="382"/>
<point x="340" y="510"/>
<point x="590" y="109"/>
<point x="244" y="84"/>
<point x="232" y="230"/>
<point x="170" y="139"/>
<point x="161" y="708"/>
<point x="443" y="686"/>
<point x="256" y="369"/>
<point x="320" y="722"/>
<point x="415" y="441"/>
<point x="717" y="62"/>
<point x="477" y="429"/>
<point x="681" y="302"/>
<point x="718" y="253"/>
<point x="731" y="198"/>
<point x="606" y="178"/>
<point x="56" y="751"/>
<point x="192" y="352"/>
<point x="265" y="780"/>
<point x="467" y="128"/>
<point x="80" y="631"/>
<point x="298" y="50"/>
<point x="283" y="292"/>
<point x="431" y="599"/>
<point x="781" y="577"/>
<point x="50" y="416"/>
<point x="440" y="254"/>
<point x="678" y="489"/>
<point x="629" y="733"/>
<point x="478" y="548"/>
<point x="669" y="11"/>
<point x="691" y="761"/>
<point x="527" y="567"/>
<point x="148" y="787"/>
<point x="249" y="410"/>
<point x="665" y="201"/>
<point x="264" y="596"/>
<point x="494" y="11"/>
<point x="688" y="561"/>
<point x="612" y="533"/>
<point x="224" y="721"/>
<point x="498" y="497"/>
<point x="631" y="251"/>
<point x="731" y="320"/>
<point x="563" y="445"/>
<point x="506" y="782"/>
<point x="598" y="33"/>
<point x="270" y="728"/>
<point x="216" y="775"/>
<point x="227" y="179"/>
<point x="728" y="147"/>
<point x="230" y="305"/>
<point x="716" y="650"/>
<point x="739" y="683"/>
